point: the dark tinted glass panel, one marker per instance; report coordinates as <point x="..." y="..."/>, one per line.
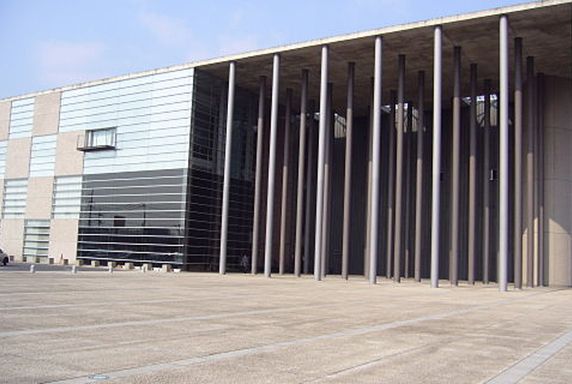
<point x="206" y="175"/>
<point x="133" y="216"/>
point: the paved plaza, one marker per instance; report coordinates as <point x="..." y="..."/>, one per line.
<point x="134" y="327"/>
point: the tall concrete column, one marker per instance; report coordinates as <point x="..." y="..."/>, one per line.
<point x="301" y="164"/>
<point x="419" y="173"/>
<point x="408" y="155"/>
<point x="369" y="185"/>
<point x="399" y="169"/>
<point x="309" y="192"/>
<point x="325" y="258"/>
<point x="472" y="244"/>
<point x="530" y="172"/>
<point x="537" y="187"/>
<point x="272" y="166"/>
<point x="436" y="168"/>
<point x="455" y="167"/>
<point x="390" y="185"/>
<point x="487" y="185"/>
<point x="284" y="204"/>
<point x="518" y="163"/>
<point x="258" y="175"/>
<point x="540" y="194"/>
<point x="226" y="179"/>
<point x="502" y="275"/>
<point x="376" y="160"/>
<point x="348" y="171"/>
<point x="321" y="158"/>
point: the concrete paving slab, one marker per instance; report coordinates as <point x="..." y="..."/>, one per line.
<point x="131" y="327"/>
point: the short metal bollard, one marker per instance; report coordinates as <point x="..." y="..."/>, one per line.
<point x="32" y="268"/>
<point x="74" y="269"/>
<point x="110" y="268"/>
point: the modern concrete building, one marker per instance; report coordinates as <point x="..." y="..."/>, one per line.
<point x="438" y="149"/>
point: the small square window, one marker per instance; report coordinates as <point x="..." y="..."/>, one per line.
<point x="99" y="139"/>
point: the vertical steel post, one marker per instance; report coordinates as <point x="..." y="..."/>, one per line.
<point x="376" y="160"/>
<point x="325" y="258"/>
<point x="530" y="172"/>
<point x="391" y="185"/>
<point x="408" y="138"/>
<point x="518" y="163"/>
<point x="272" y="166"/>
<point x="226" y="178"/>
<point x="399" y="170"/>
<point x="301" y="164"/>
<point x="503" y="151"/>
<point x="348" y="171"/>
<point x="472" y="244"/>
<point x="258" y="175"/>
<point x="455" y="167"/>
<point x="419" y="181"/>
<point x="321" y="156"/>
<point x="436" y="167"/>
<point x="487" y="182"/>
<point x="540" y="178"/>
<point x="284" y="204"/>
<point x="309" y="191"/>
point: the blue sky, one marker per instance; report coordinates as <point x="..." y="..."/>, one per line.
<point x="47" y="44"/>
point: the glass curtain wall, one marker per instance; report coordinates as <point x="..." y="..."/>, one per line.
<point x="206" y="169"/>
<point x="133" y="189"/>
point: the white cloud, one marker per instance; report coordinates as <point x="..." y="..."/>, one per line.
<point x="64" y="62"/>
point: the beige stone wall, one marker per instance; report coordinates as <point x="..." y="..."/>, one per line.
<point x="5" y="107"/>
<point x="18" y="158"/>
<point x="558" y="180"/>
<point x="12" y="237"/>
<point x="39" y="200"/>
<point x="63" y="240"/>
<point x="69" y="161"/>
<point x="46" y="114"/>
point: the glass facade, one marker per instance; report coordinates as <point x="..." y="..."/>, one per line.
<point x="15" y="195"/>
<point x="133" y="216"/>
<point x="132" y="195"/>
<point x="150" y="115"/>
<point x="43" y="156"/>
<point x="153" y="163"/>
<point x="3" y="147"/>
<point x="206" y="175"/>
<point x="66" y="197"/>
<point x="36" y="238"/>
<point x="22" y="118"/>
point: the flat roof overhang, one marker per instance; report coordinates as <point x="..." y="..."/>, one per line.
<point x="545" y="27"/>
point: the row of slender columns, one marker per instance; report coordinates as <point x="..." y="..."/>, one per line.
<point x="395" y="200"/>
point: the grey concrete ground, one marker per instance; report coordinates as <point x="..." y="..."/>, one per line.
<point x="130" y="327"/>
